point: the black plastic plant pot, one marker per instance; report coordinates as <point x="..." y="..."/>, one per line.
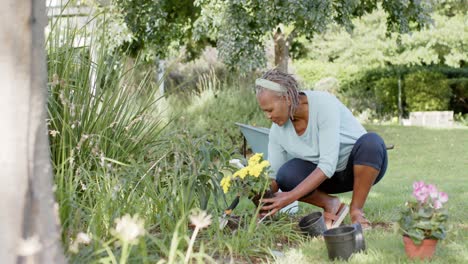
<point x="341" y="242"/>
<point x="359" y="238"/>
<point x="313" y="224"/>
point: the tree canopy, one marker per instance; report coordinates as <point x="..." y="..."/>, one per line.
<point x="158" y="25"/>
<point x="441" y="43"/>
<point x="243" y="26"/>
<point x="240" y="28"/>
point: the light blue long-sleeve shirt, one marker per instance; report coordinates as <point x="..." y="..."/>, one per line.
<point x="327" y="141"/>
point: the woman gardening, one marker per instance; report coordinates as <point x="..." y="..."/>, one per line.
<point x="317" y="148"/>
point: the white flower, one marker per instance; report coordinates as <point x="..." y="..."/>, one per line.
<point x="55" y="79"/>
<point x="83" y="186"/>
<point x="129" y="229"/>
<point x="81" y="238"/>
<point x="237" y="163"/>
<point x="53" y="133"/>
<point x="200" y="219"/>
<point x="29" y="246"/>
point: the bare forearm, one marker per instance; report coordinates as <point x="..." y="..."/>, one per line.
<point x="309" y="184"/>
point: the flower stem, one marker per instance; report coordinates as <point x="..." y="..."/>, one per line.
<point x="192" y="241"/>
<point x="124" y="256"/>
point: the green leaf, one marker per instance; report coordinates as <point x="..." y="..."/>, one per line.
<point x="425" y="212"/>
<point x="439" y="234"/>
<point x="426" y="225"/>
<point x="416" y="235"/>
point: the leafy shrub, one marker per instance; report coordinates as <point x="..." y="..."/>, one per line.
<point x="377" y="89"/>
<point x="369" y="90"/>
<point x="459" y="100"/>
<point x="386" y="94"/>
<point x="427" y="91"/>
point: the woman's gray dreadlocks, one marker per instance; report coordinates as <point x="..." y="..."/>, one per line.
<point x="288" y="82"/>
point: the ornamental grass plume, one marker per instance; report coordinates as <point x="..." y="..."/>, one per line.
<point x="426" y="217"/>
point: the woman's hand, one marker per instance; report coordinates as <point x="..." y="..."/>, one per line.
<point x="275" y="204"/>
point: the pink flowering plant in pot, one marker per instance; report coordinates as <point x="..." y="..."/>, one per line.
<point x="426" y="217"/>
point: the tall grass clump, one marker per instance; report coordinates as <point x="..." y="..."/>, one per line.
<point x="106" y="134"/>
<point x="116" y="165"/>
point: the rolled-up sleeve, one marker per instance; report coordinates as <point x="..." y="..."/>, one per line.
<point x="329" y="135"/>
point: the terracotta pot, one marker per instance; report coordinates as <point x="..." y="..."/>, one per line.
<point x="422" y="251"/>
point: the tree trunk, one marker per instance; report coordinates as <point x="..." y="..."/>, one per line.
<point x="160" y="74"/>
<point x="400" y="107"/>
<point x="26" y="178"/>
<point x="281" y="50"/>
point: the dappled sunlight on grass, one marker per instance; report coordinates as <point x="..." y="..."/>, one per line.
<point x="374" y="194"/>
<point x="458" y="249"/>
<point x="293" y="255"/>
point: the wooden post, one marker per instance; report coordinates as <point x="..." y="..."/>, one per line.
<point x="26" y="177"/>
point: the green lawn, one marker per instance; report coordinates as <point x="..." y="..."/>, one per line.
<point x="438" y="156"/>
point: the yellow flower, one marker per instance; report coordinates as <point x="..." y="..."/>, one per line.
<point x="226" y="183"/>
<point x="264" y="164"/>
<point x="242" y="173"/>
<point x="255" y="159"/>
<point x="255" y="170"/>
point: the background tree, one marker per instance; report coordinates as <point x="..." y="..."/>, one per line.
<point x="240" y="28"/>
<point x="158" y="26"/>
<point x="371" y="65"/>
<point x="28" y="222"/>
<point x="245" y="25"/>
<point x="369" y="46"/>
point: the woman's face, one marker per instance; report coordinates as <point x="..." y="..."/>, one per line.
<point x="275" y="107"/>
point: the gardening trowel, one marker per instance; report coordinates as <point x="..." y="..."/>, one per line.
<point x="223" y="220"/>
